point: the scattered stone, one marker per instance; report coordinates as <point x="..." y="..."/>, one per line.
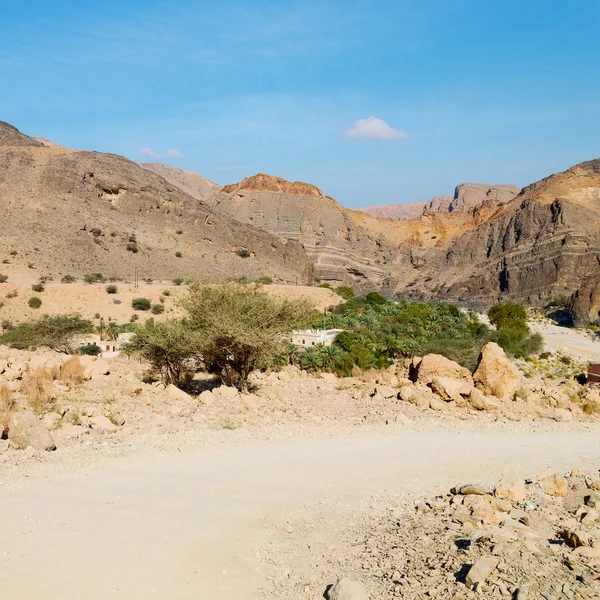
<point x="177" y="394"/>
<point x="102" y="424"/>
<point x="555" y="485"/>
<point x="511" y="489"/>
<point x="574" y="539"/>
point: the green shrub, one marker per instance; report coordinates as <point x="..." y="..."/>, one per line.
<point x="243" y="253"/>
<point x="90" y="350"/>
<point x="265" y="280"/>
<point x="133" y="247"/>
<point x="34" y="302"/>
<point x="177" y="281"/>
<point x="111" y="289"/>
<point x="3" y="278"/>
<point x="94" y="278"/>
<point x="134" y="318"/>
<point x="345" y="292"/>
<point x="55" y="332"/>
<point x="509" y="315"/>
<point x="178" y="254"/>
<point x="38" y="287"/>
<point x="158" y="309"/>
<point x="141" y="304"/>
<point x="68" y="279"/>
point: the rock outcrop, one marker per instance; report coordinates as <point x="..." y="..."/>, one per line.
<point x="25" y="430"/>
<point x="496" y="375"/>
<point x="584" y="305"/>
<point x="340" y="249"/>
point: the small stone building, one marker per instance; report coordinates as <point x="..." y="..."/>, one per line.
<point x="311" y="337"/>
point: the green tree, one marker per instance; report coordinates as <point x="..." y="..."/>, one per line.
<point x="241" y="326"/>
<point x="172" y="348"/>
<point x="508" y="315"/>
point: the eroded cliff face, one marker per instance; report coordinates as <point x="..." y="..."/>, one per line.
<point x="544" y="242"/>
<point x="341" y="250"/>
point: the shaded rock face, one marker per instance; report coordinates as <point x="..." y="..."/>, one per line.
<point x="584" y="305"/>
<point x="544" y="242"/>
<point x="400" y="212"/>
<point x="52" y="199"/>
<point x="339" y="248"/>
<point x="469" y="195"/>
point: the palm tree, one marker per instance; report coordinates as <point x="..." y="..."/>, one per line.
<point x="311" y="359"/>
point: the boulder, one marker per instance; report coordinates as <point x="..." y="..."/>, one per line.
<point x="479" y="401"/>
<point x="436" y="365"/>
<point x="562" y="415"/>
<point x="481" y="570"/>
<point x="93" y="367"/>
<point x="495" y="374"/>
<point x="226" y="393"/>
<point x="386" y="391"/>
<point x="555" y="485"/>
<point x="174" y="392"/>
<point x="207" y="398"/>
<point x="348" y="589"/>
<point x="102" y="424"/>
<point x="417" y="394"/>
<point x="51" y="420"/>
<point x="451" y="390"/>
<point x="511" y="489"/>
<point x="25" y="429"/>
<point x="575" y="539"/>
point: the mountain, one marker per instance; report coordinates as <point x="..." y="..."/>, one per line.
<point x="340" y="249"/>
<point x="191" y="183"/>
<point x="76" y="212"/>
<point x="466" y="196"/>
<point x="400" y="212"/>
<point x="543" y="243"/>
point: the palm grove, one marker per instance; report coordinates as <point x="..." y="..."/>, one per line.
<point x="232" y="329"/>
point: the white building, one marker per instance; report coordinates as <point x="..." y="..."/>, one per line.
<point x="311" y="337"/>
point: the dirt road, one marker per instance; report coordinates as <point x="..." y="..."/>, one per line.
<point x="189" y="524"/>
<point x="571" y="341"/>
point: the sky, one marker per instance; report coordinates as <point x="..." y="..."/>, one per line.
<point x="373" y="101"/>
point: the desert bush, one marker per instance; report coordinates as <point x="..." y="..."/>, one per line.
<point x="34" y="302"/>
<point x="243" y="253"/>
<point x="55" y="332"/>
<point x="346" y="292"/>
<point x="134" y="318"/>
<point x="177" y="281"/>
<point x="240" y="326"/>
<point x="166" y="292"/>
<point x="132" y="247"/>
<point x="94" y="278"/>
<point x="265" y="280"/>
<point x="90" y="350"/>
<point x="172" y="348"/>
<point x="508" y="315"/>
<point x="3" y="278"/>
<point x="178" y="254"/>
<point x="38" y="387"/>
<point x="38" y="287"/>
<point x="157" y="309"/>
<point x="179" y="231"/>
<point x="68" y="279"/>
<point x="72" y="372"/>
<point x="12" y="294"/>
<point x="141" y="304"/>
<point x="111" y="289"/>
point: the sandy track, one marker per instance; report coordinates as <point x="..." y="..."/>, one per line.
<point x="189" y="524"/>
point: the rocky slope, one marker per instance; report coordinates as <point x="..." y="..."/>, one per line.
<point x="543" y="243"/>
<point x="81" y="212"/>
<point x="191" y="183"/>
<point x="340" y="249"/>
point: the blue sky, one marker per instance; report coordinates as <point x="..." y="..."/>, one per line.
<point x="459" y="90"/>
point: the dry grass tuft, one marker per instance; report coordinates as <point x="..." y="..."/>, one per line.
<point x="7" y="405"/>
<point x="591" y="406"/>
<point x="38" y="387"/>
<point x="72" y="372"/>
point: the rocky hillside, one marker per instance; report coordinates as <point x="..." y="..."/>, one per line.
<point x="543" y="243"/>
<point x="67" y="212"/>
<point x="340" y="249"/>
<point x="191" y="183"/>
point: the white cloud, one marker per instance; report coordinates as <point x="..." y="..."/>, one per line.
<point x="149" y="153"/>
<point x="373" y="128"/>
<point x="171" y="153"/>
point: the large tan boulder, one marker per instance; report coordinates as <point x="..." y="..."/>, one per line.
<point x="93" y="367"/>
<point x="419" y="395"/>
<point x="174" y="392"/>
<point x="451" y="390"/>
<point x="25" y="429"/>
<point x="495" y="374"/>
<point x="436" y="365"/>
<point x="479" y="401"/>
